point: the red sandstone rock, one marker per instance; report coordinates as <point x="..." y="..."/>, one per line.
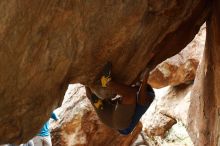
<point x="172" y="106"/>
<point x="180" y="68"/>
<point x="160" y="125"/>
<point x="204" y="109"/>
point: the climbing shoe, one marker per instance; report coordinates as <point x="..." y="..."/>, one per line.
<point x="97" y="102"/>
<point x="106" y="74"/>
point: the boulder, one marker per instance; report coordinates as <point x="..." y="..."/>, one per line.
<point x="204" y="127"/>
<point x="165" y="122"/>
<point x="47" y="44"/>
<point x="180" y="68"/>
<point x="79" y="124"/>
<point x="171" y="105"/>
<point x="176" y="136"/>
<point x="159" y="125"/>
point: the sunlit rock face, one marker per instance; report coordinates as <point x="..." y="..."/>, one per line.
<point x="171" y="105"/>
<point x="79" y="124"/>
<point x="182" y="67"/>
<point x="46" y="44"/>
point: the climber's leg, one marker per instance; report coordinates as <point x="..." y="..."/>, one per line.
<point x="123" y="115"/>
<point x="145" y="98"/>
<point x="124" y="110"/>
<point x="129" y="104"/>
<point x="30" y="143"/>
<point x="38" y="141"/>
<point x="103" y="108"/>
<point x="146" y="92"/>
<point x="128" y="112"/>
<point x="46" y="141"/>
<point x="138" y="113"/>
<point x="117" y="116"/>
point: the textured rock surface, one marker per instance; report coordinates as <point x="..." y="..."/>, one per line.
<point x="180" y="68"/>
<point x="159" y="124"/>
<point x="46" y="44"/>
<point x="80" y="125"/>
<point x="176" y="136"/>
<point x="204" y="127"/>
<point x="166" y="110"/>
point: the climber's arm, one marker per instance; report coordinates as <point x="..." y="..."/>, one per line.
<point x="144" y="93"/>
<point x="142" y="90"/>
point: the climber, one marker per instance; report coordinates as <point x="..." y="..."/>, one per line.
<point x="124" y="112"/>
<point x="29" y="143"/>
<point x="43" y="138"/>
